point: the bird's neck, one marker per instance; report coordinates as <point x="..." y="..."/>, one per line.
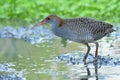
<point x="60" y="31"/>
<point x="55" y="27"/>
<point x="58" y="22"/>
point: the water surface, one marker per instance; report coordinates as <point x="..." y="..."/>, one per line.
<point x="21" y="58"/>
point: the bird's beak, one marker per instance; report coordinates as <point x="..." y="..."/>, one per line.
<point x="40" y="23"/>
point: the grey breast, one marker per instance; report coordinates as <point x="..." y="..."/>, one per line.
<point x="64" y="32"/>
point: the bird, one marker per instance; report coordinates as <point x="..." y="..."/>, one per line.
<point x="82" y="30"/>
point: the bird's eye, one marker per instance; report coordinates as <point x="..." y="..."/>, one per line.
<point x="48" y="18"/>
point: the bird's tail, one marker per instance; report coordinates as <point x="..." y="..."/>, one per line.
<point x="109" y="29"/>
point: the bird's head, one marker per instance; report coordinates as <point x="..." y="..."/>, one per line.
<point x="52" y="20"/>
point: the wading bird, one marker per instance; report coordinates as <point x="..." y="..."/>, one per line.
<point x="81" y="30"/>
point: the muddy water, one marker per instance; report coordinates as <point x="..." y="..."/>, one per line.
<point x="21" y="60"/>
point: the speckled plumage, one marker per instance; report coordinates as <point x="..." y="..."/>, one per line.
<point x="87" y="30"/>
<point x="83" y="30"/>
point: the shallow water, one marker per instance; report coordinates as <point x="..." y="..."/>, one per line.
<point x="28" y="54"/>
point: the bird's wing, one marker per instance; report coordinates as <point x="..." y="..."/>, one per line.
<point x="83" y="25"/>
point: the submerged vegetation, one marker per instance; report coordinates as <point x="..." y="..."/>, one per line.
<point x="22" y="12"/>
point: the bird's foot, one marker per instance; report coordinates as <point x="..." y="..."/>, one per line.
<point x="87" y="68"/>
<point x="88" y="72"/>
<point x="95" y="63"/>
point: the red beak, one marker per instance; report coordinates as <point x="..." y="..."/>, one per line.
<point x="40" y="23"/>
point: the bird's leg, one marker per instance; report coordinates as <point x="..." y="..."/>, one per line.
<point x="95" y="63"/>
<point x="88" y="50"/>
<point x="86" y="55"/>
<point x="96" y="55"/>
<point x="96" y="52"/>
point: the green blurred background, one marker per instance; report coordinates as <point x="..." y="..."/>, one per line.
<point x="26" y="12"/>
<point x="36" y="62"/>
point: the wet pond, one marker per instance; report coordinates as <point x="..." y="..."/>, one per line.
<point x="39" y="55"/>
